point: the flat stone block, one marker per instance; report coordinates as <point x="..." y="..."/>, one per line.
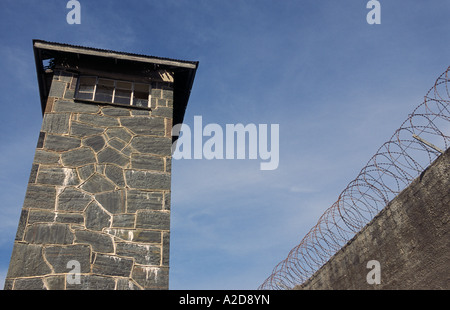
<point x="150" y="277"/>
<point x="113" y="202"/>
<point x="119" y="132"/>
<point x="144" y="125"/>
<point x="71" y="106"/>
<point x="136" y="235"/>
<point x="100" y="242"/>
<point x="56" y="123"/>
<point x="57" y="176"/>
<point x="153" y="220"/>
<point x="45" y="157"/>
<point x="98" y="120"/>
<point x="29" y="284"/>
<point x="112" y="156"/>
<point x="124" y="220"/>
<point x="147" y="180"/>
<point x="144" y="254"/>
<point x="78" y="157"/>
<point x="94" y="142"/>
<point x="61" y="143"/>
<point x="84" y="130"/>
<point x="48" y="233"/>
<point x="72" y="199"/>
<point x="27" y="260"/>
<point x="97" y="183"/>
<point x="152" y="145"/>
<point x="92" y="282"/>
<point x="96" y="217"/>
<point x="115" y="174"/>
<point x="147" y="162"/>
<point x="40" y="197"/>
<point x="60" y="256"/>
<point x="115" y="111"/>
<point x="144" y="200"/>
<point x="112" y="265"/>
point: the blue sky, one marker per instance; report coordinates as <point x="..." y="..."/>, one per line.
<point x="337" y="86"/>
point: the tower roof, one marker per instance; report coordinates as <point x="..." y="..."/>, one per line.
<point x="182" y="72"/>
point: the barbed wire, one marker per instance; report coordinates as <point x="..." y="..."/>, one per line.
<point x="411" y="149"/>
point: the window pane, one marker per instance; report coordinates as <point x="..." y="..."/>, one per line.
<point x="104" y="93"/>
<point x="123" y="85"/>
<point x="87" y="83"/>
<point x="141" y="87"/>
<point x="122" y="96"/>
<point x="106" y="82"/>
<point x="82" y="95"/>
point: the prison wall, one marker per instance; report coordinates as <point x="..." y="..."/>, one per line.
<point x="410" y="238"/>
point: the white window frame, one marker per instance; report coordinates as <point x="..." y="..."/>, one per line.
<point x="132" y="103"/>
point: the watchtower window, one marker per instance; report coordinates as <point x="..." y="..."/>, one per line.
<point x="113" y="91"/>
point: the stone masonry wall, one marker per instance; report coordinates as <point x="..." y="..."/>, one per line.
<point x="98" y="197"/>
<point x="409" y="238"/>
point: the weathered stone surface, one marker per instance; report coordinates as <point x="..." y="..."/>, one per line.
<point x="119" y="132"/>
<point x="152" y="145"/>
<point x="22" y="224"/>
<point x="116" y="143"/>
<point x="97" y="183"/>
<point x="70" y="106"/>
<point x="57" y="176"/>
<point x="147" y="180"/>
<point x="165" y="248"/>
<point x="115" y="174"/>
<point x="116" y="111"/>
<point x="163" y="111"/>
<point x="59" y="256"/>
<point x="95" y="142"/>
<point x="49" y="233"/>
<point x="40" y="216"/>
<point x="86" y="171"/>
<point x="144" y="254"/>
<point x="126" y="284"/>
<point x="100" y="242"/>
<point x="84" y="130"/>
<point x="57" y="89"/>
<point x="167" y="201"/>
<point x="136" y="235"/>
<point x="143" y="200"/>
<point x="55" y="282"/>
<point x="45" y="157"/>
<point x="98" y="120"/>
<point x="56" y="123"/>
<point x="113" y="202"/>
<point x="92" y="282"/>
<point x="72" y="199"/>
<point x="96" y="217"/>
<point x="61" y="143"/>
<point x="153" y="220"/>
<point x="69" y="218"/>
<point x="142" y="125"/>
<point x="112" y="156"/>
<point x="147" y="162"/>
<point x="124" y="220"/>
<point x="112" y="265"/>
<point x="78" y="157"/>
<point x="150" y="277"/>
<point x="28" y="261"/>
<point x="40" y="197"/>
<point x="29" y="284"/>
<point x="33" y="173"/>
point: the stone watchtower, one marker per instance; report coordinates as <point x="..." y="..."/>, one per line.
<point x="97" y="208"/>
